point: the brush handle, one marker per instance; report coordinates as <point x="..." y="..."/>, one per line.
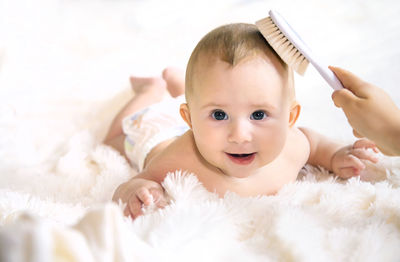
<point x="327" y="74"/>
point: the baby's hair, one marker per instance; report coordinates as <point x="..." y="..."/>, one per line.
<point x="229" y="43"/>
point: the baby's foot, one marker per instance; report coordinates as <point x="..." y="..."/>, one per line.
<point x="175" y="79"/>
<point x="155" y="87"/>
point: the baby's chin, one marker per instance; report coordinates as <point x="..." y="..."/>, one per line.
<point x="243" y="172"/>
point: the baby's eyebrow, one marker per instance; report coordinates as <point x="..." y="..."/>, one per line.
<point x="253" y="105"/>
<point x="263" y="105"/>
<point x="213" y="104"/>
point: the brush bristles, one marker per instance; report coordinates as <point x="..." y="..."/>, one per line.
<point x="282" y="46"/>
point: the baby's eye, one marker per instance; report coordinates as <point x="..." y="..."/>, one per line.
<point x="219" y="115"/>
<point x="258" y="115"/>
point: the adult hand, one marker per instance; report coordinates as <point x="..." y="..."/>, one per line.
<point x="370" y="111"/>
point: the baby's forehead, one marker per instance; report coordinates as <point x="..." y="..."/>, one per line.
<point x="209" y="60"/>
<point x="208" y="66"/>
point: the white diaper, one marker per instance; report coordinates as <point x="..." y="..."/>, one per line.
<point x="151" y="126"/>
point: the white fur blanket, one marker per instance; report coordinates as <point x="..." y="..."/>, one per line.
<point x="64" y="68"/>
<point x="317" y="218"/>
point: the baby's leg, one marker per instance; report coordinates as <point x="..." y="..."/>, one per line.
<point x="148" y="90"/>
<point x="175" y="79"/>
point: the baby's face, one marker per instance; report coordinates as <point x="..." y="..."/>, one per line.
<point x="239" y="115"/>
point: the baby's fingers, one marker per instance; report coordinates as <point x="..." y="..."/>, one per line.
<point x="365" y="155"/>
<point x="365" y="143"/>
<point x="144" y="195"/>
<point x="347" y="172"/>
<point x="133" y="207"/>
<point x="349" y="166"/>
<point x="353" y="162"/>
<point x="158" y="197"/>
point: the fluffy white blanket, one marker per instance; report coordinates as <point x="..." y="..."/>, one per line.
<point x="315" y="219"/>
<point x="64" y="67"/>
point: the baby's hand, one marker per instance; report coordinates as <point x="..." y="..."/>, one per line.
<point x="347" y="161"/>
<point x="138" y="193"/>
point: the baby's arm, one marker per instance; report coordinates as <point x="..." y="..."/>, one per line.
<point x="139" y="192"/>
<point x="344" y="161"/>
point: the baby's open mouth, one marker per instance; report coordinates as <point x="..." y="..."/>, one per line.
<point x="242" y="159"/>
<point x="240" y="155"/>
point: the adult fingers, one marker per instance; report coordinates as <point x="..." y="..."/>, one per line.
<point x="356" y="134"/>
<point x="350" y="81"/>
<point x="343" y="97"/>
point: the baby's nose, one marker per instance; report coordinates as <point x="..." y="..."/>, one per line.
<point x="240" y="132"/>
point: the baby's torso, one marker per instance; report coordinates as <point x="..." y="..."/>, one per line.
<point x="181" y="154"/>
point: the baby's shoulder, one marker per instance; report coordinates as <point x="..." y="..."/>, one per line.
<point x="296" y="134"/>
<point x="178" y="155"/>
<point x="297" y="144"/>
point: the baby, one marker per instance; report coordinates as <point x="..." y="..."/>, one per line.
<point x="239" y="130"/>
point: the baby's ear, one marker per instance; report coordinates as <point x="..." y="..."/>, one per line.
<point x="185" y="114"/>
<point x="294" y="113"/>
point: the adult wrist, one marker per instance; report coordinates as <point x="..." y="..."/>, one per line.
<point x="394" y="135"/>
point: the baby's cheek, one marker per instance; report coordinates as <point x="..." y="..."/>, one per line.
<point x="272" y="143"/>
<point x="206" y="141"/>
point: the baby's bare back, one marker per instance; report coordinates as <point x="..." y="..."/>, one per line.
<point x="182" y="154"/>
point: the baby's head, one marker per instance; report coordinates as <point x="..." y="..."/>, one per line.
<point x="240" y="99"/>
<point x="233" y="44"/>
